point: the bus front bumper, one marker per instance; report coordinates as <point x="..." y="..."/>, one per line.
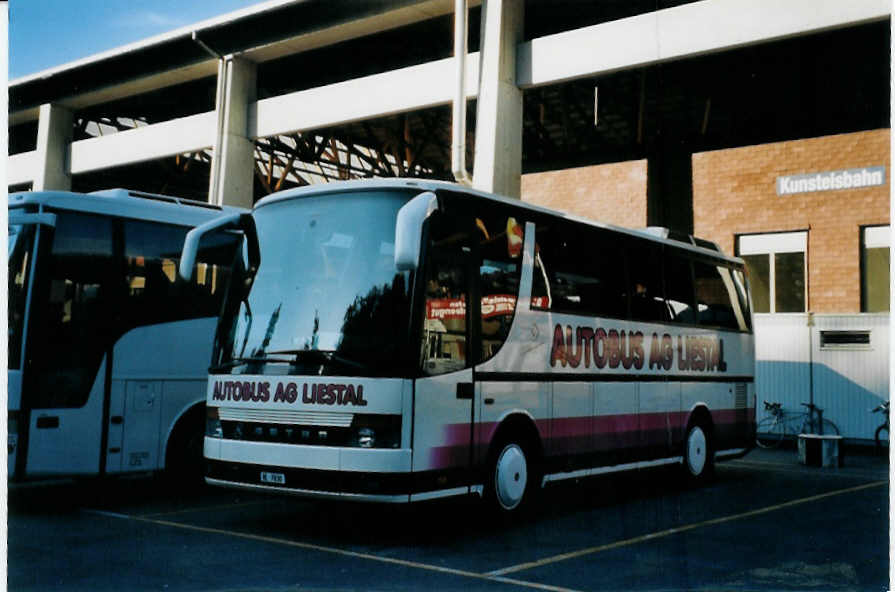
<point x="316" y="471"/>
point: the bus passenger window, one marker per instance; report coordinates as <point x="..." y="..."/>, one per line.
<point x="645" y="283"/>
<point x="444" y="328"/>
<point x="717" y="301"/>
<point x="679" y="287"/>
<point x="500" y="248"/>
<point x="19" y="245"/>
<point x="444" y="325"/>
<point x="151" y="257"/>
<point x="77" y="324"/>
<point x="580" y="271"/>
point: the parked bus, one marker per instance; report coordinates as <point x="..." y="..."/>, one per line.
<point x="108" y="353"/>
<point x="407" y="340"/>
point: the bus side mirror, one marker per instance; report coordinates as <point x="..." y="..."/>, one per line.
<point x="409" y="230"/>
<point x="241" y="222"/>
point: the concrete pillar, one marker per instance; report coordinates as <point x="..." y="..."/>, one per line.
<point x="498" y="133"/>
<point x="54" y="136"/>
<point x="233" y="159"/>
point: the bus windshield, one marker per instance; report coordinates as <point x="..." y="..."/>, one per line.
<point x="327" y="298"/>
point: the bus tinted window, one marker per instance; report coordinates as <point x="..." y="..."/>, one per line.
<point x="19" y="245"/>
<point x="584" y="272"/>
<point x="500" y="249"/>
<point x="444" y="327"/>
<point x="152" y="253"/>
<point x="645" y="277"/>
<point x="77" y="326"/>
<point x="716" y="297"/>
<point x="679" y="287"/>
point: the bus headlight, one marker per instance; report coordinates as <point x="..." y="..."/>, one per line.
<point x="376" y="431"/>
<point x="366" y="438"/>
<point x="213" y="427"/>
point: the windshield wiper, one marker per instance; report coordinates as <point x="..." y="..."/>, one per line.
<point x="325" y="355"/>
<point x="249" y="360"/>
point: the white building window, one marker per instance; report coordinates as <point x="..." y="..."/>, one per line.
<point x="875" y="283"/>
<point x="776" y="266"/>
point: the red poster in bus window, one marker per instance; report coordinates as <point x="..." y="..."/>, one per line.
<point x="445" y="308"/>
<point x="514" y="237"/>
<point x="495" y="305"/>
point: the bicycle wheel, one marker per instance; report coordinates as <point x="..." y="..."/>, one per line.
<point x="881" y="437"/>
<point x="769" y="432"/>
<point x="810" y="426"/>
<point x="830" y="428"/>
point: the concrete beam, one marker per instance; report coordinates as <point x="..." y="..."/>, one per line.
<point x="498" y="136"/>
<point x="178" y="136"/>
<point x="54" y="134"/>
<point x="398" y="91"/>
<point x="398" y="17"/>
<point x="684" y="31"/>
<point x="233" y="159"/>
<point x="21" y="168"/>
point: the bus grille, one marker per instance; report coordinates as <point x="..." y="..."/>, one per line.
<point x="287" y="434"/>
<point x="285" y="417"/>
<point x="740" y="396"/>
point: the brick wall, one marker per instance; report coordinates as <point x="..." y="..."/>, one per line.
<point x="613" y="193"/>
<point x="734" y="192"/>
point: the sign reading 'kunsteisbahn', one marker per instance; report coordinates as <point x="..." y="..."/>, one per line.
<point x="831" y="180"/>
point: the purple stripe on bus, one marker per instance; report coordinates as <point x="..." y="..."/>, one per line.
<point x="577" y="435"/>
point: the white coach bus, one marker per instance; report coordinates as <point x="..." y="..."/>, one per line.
<point x="107" y="352"/>
<point x="406" y="340"/>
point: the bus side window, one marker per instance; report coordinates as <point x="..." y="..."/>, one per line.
<point x="579" y="271"/>
<point x="500" y="249"/>
<point x="78" y="318"/>
<point x="150" y="259"/>
<point x="679" y="286"/>
<point x="716" y="297"/>
<point x="151" y="252"/>
<point x="645" y="282"/>
<point x="445" y="323"/>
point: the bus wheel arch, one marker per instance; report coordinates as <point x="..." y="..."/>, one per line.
<point x="698" y="459"/>
<point x="513" y="465"/>
<point x="184" y="454"/>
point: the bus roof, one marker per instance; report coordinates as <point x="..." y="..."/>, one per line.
<point x="656" y="234"/>
<point x="124" y="203"/>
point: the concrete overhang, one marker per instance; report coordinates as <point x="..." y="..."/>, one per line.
<point x="260" y="33"/>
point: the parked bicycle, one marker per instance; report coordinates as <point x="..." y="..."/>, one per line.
<point x="772" y="429"/>
<point x="881" y="437"/>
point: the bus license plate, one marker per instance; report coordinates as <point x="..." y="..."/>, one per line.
<point x="277" y="478"/>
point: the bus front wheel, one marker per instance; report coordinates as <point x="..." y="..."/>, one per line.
<point x="698" y="453"/>
<point x="512" y="476"/>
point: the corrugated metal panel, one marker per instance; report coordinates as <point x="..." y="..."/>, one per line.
<point x="781" y="360"/>
<point x="848" y="380"/>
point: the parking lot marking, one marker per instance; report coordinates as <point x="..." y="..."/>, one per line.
<point x="664" y="533"/>
<point x="355" y="554"/>
<point x="204" y="509"/>
<point x="104" y="513"/>
<point x="845" y="473"/>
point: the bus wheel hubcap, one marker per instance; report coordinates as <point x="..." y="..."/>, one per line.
<point x="696" y="451"/>
<point x="510" y="476"/>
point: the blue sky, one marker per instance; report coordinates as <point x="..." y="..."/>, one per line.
<point x="48" y="33"/>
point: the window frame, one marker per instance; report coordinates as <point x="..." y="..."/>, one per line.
<point x="881" y="237"/>
<point x="771" y="244"/>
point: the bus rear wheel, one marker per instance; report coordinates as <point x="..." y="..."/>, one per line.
<point x="512" y="477"/>
<point x="699" y="461"/>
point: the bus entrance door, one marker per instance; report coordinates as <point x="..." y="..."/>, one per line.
<point x="23" y="232"/>
<point x="443" y="399"/>
<point x="76" y="292"/>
